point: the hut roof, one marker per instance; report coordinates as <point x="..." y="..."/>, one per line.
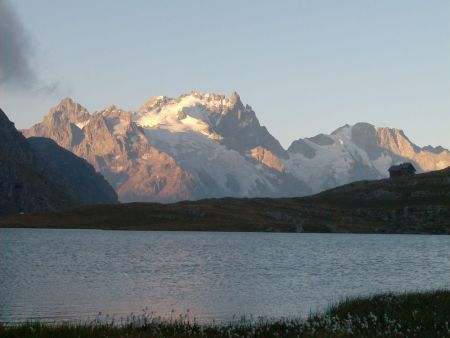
<point x="403" y="166"/>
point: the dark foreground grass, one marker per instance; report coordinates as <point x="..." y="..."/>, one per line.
<point x="424" y="314"/>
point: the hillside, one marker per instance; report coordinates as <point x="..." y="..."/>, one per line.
<point x="417" y="204"/>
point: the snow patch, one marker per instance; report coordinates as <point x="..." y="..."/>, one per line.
<point x="83" y="124"/>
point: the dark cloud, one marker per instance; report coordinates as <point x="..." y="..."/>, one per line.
<point x="15" y="50"/>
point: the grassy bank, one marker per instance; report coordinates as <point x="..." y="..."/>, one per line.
<point x="425" y="314"/>
<point x="419" y="204"/>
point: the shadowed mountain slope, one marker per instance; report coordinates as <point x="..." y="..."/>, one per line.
<point x="37" y="175"/>
<point x="77" y="176"/>
<point x="24" y="183"/>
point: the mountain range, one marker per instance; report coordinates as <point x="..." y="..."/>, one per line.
<point x="37" y="174"/>
<point x="208" y="145"/>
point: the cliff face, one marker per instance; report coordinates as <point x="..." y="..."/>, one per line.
<point x="39" y="175"/>
<point x="61" y="124"/>
<point x="267" y="158"/>
<point x="426" y="159"/>
<point x="118" y="148"/>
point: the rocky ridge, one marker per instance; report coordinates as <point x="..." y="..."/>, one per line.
<point x="196" y="146"/>
<point x="207" y="145"/>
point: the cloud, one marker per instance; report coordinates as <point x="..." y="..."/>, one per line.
<point x="15" y="50"/>
<point x="58" y="88"/>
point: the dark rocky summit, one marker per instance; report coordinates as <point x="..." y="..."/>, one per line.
<point x="24" y="183"/>
<point x="33" y="177"/>
<point x="241" y="130"/>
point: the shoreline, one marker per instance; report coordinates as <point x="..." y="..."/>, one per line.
<point x="418" y="314"/>
<point x="140" y="229"/>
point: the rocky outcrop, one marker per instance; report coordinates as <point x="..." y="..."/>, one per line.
<point x="395" y="141"/>
<point x="267" y="158"/>
<point x="62" y="124"/>
<point x="240" y="129"/>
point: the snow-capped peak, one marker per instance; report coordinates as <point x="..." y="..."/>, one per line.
<point x="172" y="115"/>
<point x="190" y="112"/>
<point x="154" y="102"/>
<point x="169" y="150"/>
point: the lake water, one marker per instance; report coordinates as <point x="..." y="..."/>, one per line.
<point x="74" y="274"/>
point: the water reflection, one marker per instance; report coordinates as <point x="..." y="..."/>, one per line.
<point x="73" y="274"/>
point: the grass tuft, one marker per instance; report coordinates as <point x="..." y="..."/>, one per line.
<point x="419" y="314"/>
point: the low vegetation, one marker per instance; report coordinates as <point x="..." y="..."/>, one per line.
<point x="417" y="204"/>
<point x="424" y="314"/>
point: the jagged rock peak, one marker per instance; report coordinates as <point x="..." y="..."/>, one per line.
<point x="212" y="97"/>
<point x="72" y="111"/>
<point x="67" y="101"/>
<point x="394" y="136"/>
<point x="4" y="120"/>
<point x="209" y="96"/>
<point x="155" y="101"/>
<point x="212" y="100"/>
<point x="67" y="104"/>
<point x="111" y="107"/>
<point x="235" y="99"/>
<point x="113" y="110"/>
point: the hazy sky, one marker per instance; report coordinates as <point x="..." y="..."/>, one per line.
<point x="304" y="66"/>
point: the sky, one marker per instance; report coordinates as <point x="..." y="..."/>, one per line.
<point x="305" y="67"/>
